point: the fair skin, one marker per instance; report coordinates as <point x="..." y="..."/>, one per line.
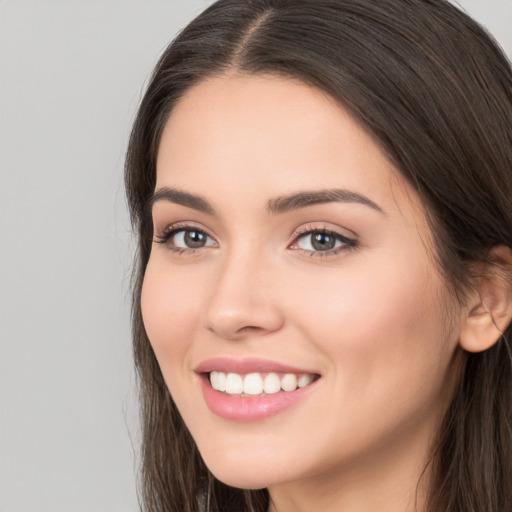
<point x="364" y="312"/>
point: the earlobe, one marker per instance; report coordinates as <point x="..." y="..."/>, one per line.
<point x="480" y="330"/>
<point x="490" y="310"/>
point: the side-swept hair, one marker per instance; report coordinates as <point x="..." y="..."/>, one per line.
<point x="435" y="92"/>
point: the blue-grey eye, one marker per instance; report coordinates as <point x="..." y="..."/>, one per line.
<point x="319" y="241"/>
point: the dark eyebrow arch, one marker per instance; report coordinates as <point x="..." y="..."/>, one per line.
<point x="176" y="196"/>
<point x="275" y="206"/>
<point x="310" y="198"/>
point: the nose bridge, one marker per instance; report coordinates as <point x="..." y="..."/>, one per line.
<point x="242" y="301"/>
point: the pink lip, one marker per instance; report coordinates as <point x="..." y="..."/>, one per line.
<point x="249" y="408"/>
<point x="245" y="366"/>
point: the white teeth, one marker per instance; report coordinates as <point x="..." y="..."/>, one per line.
<point x="304" y="380"/>
<point x="218" y="381"/>
<point x="272" y="383"/>
<point x="234" y="384"/>
<point x="289" y="382"/>
<point x="255" y="384"/>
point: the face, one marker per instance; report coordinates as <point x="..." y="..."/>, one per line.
<point x="292" y="266"/>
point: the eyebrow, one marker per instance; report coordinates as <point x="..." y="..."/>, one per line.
<point x="183" y="198"/>
<point x="310" y="198"/>
<point x="275" y="206"/>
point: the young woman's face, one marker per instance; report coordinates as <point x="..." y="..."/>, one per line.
<point x="294" y="263"/>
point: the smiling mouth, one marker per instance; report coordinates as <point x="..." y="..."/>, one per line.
<point x="259" y="384"/>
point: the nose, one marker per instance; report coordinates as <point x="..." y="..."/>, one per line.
<point x="243" y="302"/>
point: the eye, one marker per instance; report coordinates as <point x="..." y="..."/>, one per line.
<point x="190" y="239"/>
<point x="322" y="241"/>
<point x="181" y="239"/>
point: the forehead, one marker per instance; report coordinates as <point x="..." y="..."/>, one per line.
<point x="270" y="135"/>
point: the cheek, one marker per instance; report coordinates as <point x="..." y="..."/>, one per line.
<point x="169" y="311"/>
<point x="388" y="350"/>
<point x="382" y="328"/>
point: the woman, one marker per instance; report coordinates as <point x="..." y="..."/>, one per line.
<point x="322" y="192"/>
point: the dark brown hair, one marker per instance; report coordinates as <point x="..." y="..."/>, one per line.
<point x="435" y="92"/>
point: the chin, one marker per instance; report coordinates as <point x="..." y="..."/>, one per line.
<point x="243" y="479"/>
<point x="246" y="474"/>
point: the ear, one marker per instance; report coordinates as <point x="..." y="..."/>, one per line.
<point x="489" y="309"/>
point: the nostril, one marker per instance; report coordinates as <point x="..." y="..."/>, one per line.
<point x="249" y="329"/>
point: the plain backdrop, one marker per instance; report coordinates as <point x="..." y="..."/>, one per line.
<point x="71" y="77"/>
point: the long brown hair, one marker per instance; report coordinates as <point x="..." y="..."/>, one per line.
<point x="435" y="92"/>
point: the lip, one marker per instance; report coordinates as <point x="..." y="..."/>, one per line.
<point x="250" y="408"/>
<point x="245" y="366"/>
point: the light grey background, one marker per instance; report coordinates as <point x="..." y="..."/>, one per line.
<point x="71" y="75"/>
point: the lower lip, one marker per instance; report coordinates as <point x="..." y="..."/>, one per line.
<point x="250" y="408"/>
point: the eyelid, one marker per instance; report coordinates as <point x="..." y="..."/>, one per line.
<point x="325" y="227"/>
<point x="173" y="226"/>
<point x="349" y="242"/>
<point x="164" y="236"/>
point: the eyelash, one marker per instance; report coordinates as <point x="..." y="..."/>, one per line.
<point x="347" y="243"/>
<point x="166" y="236"/>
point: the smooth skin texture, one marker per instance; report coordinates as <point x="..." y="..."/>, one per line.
<point x="372" y="317"/>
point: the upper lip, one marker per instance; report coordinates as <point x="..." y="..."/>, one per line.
<point x="245" y="366"/>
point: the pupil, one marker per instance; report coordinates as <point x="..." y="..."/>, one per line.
<point x="323" y="242"/>
<point x="195" y="239"/>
